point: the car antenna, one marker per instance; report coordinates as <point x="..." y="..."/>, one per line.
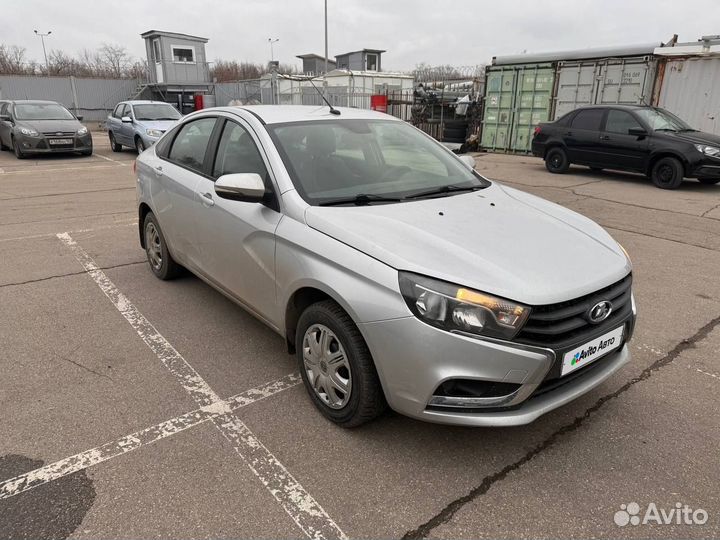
<point x="333" y="110"/>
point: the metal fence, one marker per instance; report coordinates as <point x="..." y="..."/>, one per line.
<point x="91" y="98"/>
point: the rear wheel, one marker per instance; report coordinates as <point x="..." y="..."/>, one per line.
<point x="113" y="144"/>
<point x="336" y="366"/>
<point x="556" y="161"/>
<point x="161" y="262"/>
<point x="667" y="173"/>
<point x="708" y="181"/>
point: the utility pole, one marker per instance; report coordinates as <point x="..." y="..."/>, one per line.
<point x="271" y="41"/>
<point x="42" y="38"/>
<point x="326" y="43"/>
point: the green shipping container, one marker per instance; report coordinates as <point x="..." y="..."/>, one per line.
<point x="517" y="98"/>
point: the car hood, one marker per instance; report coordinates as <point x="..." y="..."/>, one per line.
<point x="48" y="126"/>
<point x="162" y="125"/>
<point x="498" y="240"/>
<point x="696" y="137"/>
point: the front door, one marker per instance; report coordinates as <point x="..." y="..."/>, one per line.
<point x="237" y="239"/>
<point x="619" y="148"/>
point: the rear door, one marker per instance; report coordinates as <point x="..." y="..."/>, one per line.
<point x="620" y="149"/>
<point x="237" y="239"/>
<point x="177" y="175"/>
<point x="582" y="135"/>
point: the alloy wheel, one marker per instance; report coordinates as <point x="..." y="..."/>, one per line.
<point x="326" y="366"/>
<point x="153" y="246"/>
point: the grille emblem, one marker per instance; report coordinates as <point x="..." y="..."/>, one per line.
<point x="599" y="312"/>
<point x="59" y="133"/>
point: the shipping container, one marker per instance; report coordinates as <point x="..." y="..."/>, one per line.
<point x="624" y="81"/>
<point x="517" y="98"/>
<point x="689" y="83"/>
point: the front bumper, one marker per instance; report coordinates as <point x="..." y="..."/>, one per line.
<point x="41" y="144"/>
<point x="413" y="359"/>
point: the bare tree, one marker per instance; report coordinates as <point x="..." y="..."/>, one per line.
<point x="232" y="70"/>
<point x="116" y="58"/>
<point x="12" y="60"/>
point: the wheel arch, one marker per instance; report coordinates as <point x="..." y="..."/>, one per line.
<point x="553" y="144"/>
<point x="654" y="158"/>
<point x="143" y="210"/>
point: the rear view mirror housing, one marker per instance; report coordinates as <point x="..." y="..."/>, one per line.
<point x="126" y="120"/>
<point x="638" y="132"/>
<point x="5" y="117"/>
<point x="244" y="187"/>
<point x="79" y="117"/>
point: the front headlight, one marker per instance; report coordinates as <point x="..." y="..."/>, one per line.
<point x="82" y="131"/>
<point x="712" y="151"/>
<point x="30" y="132"/>
<point x="452" y="307"/>
<point x="153" y="132"/>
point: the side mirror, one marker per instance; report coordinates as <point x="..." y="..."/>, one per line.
<point x="468" y="161"/>
<point x="637" y="132"/>
<point x="126" y="120"/>
<point x="5" y="118"/>
<point x="245" y="187"/>
<point x="79" y="117"/>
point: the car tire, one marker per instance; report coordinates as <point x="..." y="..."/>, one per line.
<point x="3" y="147"/>
<point x="667" y="173"/>
<point x="139" y="145"/>
<point x="161" y="262"/>
<point x="329" y="327"/>
<point x="16" y="148"/>
<point x="709" y="181"/>
<point x="556" y="161"/>
<point x="114" y="146"/>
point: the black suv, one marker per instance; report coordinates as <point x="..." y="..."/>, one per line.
<point x="642" y="139"/>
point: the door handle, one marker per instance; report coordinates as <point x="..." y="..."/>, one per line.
<point x="206" y="199"/>
<point x="604" y="137"/>
<point x="159" y="170"/>
<point x="568" y="133"/>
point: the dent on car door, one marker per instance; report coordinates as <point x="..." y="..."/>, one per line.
<point x="237" y="239"/>
<point x="582" y="136"/>
<point x="177" y="176"/>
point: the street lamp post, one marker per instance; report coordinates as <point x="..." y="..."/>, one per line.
<point x="271" y="41"/>
<point x="42" y="38"/>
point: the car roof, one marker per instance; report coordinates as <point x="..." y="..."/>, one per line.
<point x="144" y="102"/>
<point x="34" y="102"/>
<point x="615" y="106"/>
<point x="280" y="114"/>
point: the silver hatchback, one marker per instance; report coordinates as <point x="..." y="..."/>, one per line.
<point x="396" y="273"/>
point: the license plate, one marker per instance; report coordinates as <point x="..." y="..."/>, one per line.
<point x="60" y="141"/>
<point x="591" y="351"/>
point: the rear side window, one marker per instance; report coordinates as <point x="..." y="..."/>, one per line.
<point x="237" y="153"/>
<point x="588" y="119"/>
<point x="620" y="122"/>
<point x="564" y="119"/>
<point x="189" y="147"/>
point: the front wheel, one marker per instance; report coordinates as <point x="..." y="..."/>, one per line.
<point x="556" y="161"/>
<point x="16" y="148"/>
<point x="114" y="144"/>
<point x="336" y="366"/>
<point x="161" y="262"/>
<point x="667" y="173"/>
<point x="139" y="145"/>
<point x="708" y="181"/>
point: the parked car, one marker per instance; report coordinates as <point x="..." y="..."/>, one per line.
<point x="41" y="127"/>
<point x="395" y="272"/>
<point x="648" y="140"/>
<point x="139" y="124"/>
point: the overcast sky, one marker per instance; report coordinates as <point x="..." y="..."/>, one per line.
<point x="460" y="33"/>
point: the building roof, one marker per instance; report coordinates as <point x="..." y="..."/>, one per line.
<point x="278" y="114"/>
<point x="153" y="33"/>
<point x="313" y="55"/>
<point x="705" y="46"/>
<point x="361" y="50"/>
<point x="579" y="54"/>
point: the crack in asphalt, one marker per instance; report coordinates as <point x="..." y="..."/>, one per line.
<point x="704" y="214"/>
<point x="70" y="274"/>
<point x="447" y="513"/>
<point x="81" y="366"/>
<point x="20" y="198"/>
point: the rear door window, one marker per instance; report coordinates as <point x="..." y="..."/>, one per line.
<point x="588" y="119"/>
<point x="191" y="143"/>
<point x="620" y="122"/>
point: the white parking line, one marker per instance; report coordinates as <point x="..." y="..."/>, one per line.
<point x="123" y="445"/>
<point x="38" y="170"/>
<point x="292" y="496"/>
<point x="113" y="160"/>
<point x="708" y="374"/>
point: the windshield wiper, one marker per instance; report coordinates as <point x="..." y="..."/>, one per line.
<point x="667" y="129"/>
<point x="685" y="130"/>
<point x="359" y="200"/>
<point x="442" y="190"/>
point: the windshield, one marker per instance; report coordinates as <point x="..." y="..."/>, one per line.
<point x="661" y="120"/>
<point x="371" y="160"/>
<point x="42" y="111"/>
<point x="156" y="111"/>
